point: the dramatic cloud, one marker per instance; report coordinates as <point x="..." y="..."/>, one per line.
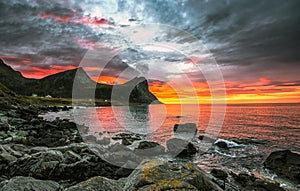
<point x="253" y="42"/>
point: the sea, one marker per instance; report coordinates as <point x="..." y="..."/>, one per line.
<point x="251" y="131"/>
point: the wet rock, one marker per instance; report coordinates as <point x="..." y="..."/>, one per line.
<point x="164" y="175"/>
<point x="54" y="109"/>
<point x="65" y="108"/>
<point x="250" y="141"/>
<point x="127" y="138"/>
<point x="90" y="139"/>
<point x="35" y="121"/>
<point x="218" y="173"/>
<point x="5" y="158"/>
<point x="72" y="163"/>
<point x="126" y="141"/>
<point x="21" y="183"/>
<point x="180" y="148"/>
<point x="97" y="183"/>
<point x="285" y="164"/>
<point x="222" y="144"/>
<point x="120" y="155"/>
<point x="225" y="144"/>
<point x="4" y="126"/>
<point x="185" y="131"/>
<point x="205" y="138"/>
<point x="250" y="182"/>
<point x="104" y="141"/>
<point x="147" y="148"/>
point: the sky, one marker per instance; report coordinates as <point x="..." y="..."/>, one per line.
<point x="189" y="50"/>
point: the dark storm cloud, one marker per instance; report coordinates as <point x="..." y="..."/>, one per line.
<point x="24" y="33"/>
<point x="261" y="36"/>
<point x="239" y="32"/>
<point x="246" y="32"/>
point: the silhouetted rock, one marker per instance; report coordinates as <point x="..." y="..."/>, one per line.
<point x="285" y="164"/>
<point x="61" y="85"/>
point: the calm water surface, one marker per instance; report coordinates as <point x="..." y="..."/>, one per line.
<point x="275" y="126"/>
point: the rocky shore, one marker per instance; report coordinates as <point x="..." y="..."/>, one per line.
<point x="42" y="155"/>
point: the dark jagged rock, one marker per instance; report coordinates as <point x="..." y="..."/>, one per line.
<point x="127" y="138"/>
<point x="186" y="127"/>
<point x="97" y="183"/>
<point x="250" y="182"/>
<point x="285" y="164"/>
<point x="72" y="163"/>
<point x="146" y="148"/>
<point x="21" y="183"/>
<point x="225" y="144"/>
<point x="220" y="174"/>
<point x="222" y="144"/>
<point x="181" y="148"/>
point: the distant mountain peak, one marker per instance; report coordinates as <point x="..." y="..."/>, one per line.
<point x="61" y="85"/>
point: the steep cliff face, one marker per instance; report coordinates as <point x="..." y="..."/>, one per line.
<point x="61" y="85"/>
<point x="14" y="80"/>
<point x="136" y="91"/>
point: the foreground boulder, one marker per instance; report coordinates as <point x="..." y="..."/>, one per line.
<point x="164" y="175"/>
<point x="97" y="183"/>
<point x="21" y="183"/>
<point x="73" y="163"/>
<point x="285" y="164"/>
<point x="180" y="148"/>
<point x="250" y="182"/>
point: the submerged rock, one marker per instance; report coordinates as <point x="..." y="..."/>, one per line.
<point x="97" y="183"/>
<point x="164" y="175"/>
<point x="285" y="164"/>
<point x="21" y="183"/>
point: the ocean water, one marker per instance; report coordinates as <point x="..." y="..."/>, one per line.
<point x="252" y="131"/>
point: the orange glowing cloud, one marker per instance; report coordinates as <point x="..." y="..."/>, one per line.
<point x="38" y="73"/>
<point x="111" y="80"/>
<point x="264" y="80"/>
<point x="193" y="60"/>
<point x="73" y="18"/>
<point x="63" y="19"/>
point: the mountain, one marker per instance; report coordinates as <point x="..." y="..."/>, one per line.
<point x="61" y="85"/>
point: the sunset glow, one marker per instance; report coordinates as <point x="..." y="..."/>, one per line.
<point x="263" y="91"/>
<point x="180" y="53"/>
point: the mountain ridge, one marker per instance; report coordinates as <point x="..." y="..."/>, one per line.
<point x="60" y="85"/>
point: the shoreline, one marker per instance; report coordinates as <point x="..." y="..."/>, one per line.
<point x="56" y="151"/>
